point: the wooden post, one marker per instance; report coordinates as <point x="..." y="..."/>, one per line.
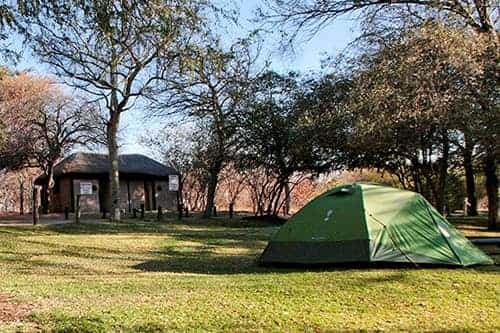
<point x="77" y="210"/>
<point x="36" y="213"/>
<point x="179" y="210"/>
<point x="21" y="198"/>
<point x="66" y="213"/>
<point x="186" y="212"/>
<point x="134" y="213"/>
<point x="159" y="217"/>
<point x="142" y="211"/>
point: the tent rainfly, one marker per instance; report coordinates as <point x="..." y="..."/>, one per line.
<point x="367" y="223"/>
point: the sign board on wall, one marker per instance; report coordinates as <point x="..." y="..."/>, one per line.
<point x="85" y="188"/>
<point x="173" y="182"/>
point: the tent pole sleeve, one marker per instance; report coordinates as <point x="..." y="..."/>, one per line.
<point x="445" y="239"/>
<point x="392" y="240"/>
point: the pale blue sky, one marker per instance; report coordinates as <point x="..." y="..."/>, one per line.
<point x="307" y="57"/>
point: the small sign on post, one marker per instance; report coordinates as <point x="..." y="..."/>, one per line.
<point x="173" y="183"/>
<point x="85" y="188"/>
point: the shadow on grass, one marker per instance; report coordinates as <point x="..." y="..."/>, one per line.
<point x="69" y="324"/>
<point x="94" y="324"/>
<point x="216" y="260"/>
<point x="197" y="248"/>
<point x="223" y="236"/>
<point x="207" y="260"/>
<point x="203" y="243"/>
<point x="61" y="322"/>
<point x="241" y="264"/>
<point x="150" y="226"/>
<point x="249" y="237"/>
<point x="204" y="261"/>
<point x="105" y="227"/>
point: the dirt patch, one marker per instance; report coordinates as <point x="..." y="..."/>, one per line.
<point x="11" y="311"/>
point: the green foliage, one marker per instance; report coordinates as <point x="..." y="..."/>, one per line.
<point x="455" y="194"/>
<point x="414" y="98"/>
<point x="290" y="126"/>
<point x="295" y="125"/>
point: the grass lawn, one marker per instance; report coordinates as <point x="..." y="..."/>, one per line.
<point x="149" y="277"/>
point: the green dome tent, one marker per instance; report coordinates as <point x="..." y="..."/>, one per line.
<point x="370" y="223"/>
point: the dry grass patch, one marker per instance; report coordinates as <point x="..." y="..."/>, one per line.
<point x="12" y="311"/>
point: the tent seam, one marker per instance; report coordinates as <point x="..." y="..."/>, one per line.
<point x="441" y="233"/>
<point x="366" y="222"/>
<point x="392" y="240"/>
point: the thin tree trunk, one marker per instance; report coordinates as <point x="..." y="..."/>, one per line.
<point x="270" y="203"/>
<point x="48" y="188"/>
<point x="272" y="197"/>
<point x="288" y="199"/>
<point x="469" y="178"/>
<point x="196" y="201"/>
<point x="443" y="174"/>
<point x="36" y="195"/>
<point x="114" y="175"/>
<point x="254" y="204"/>
<point x="21" y="198"/>
<point x="277" y="198"/>
<point x="284" y="187"/>
<point x="180" y="199"/>
<point x="491" y="189"/>
<point x="415" y="174"/>
<point x="212" y="187"/>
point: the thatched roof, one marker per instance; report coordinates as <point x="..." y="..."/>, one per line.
<point x="98" y="164"/>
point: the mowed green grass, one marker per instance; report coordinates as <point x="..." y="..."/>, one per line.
<point x="149" y="277"/>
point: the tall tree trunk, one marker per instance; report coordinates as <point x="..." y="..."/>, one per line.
<point x="48" y="188"/>
<point x="277" y="199"/>
<point x="36" y="196"/>
<point x="272" y="197"/>
<point x="443" y="174"/>
<point x="212" y="186"/>
<point x="491" y="188"/>
<point x="114" y="175"/>
<point x="180" y="191"/>
<point x="254" y="205"/>
<point x="490" y="109"/>
<point x="469" y="177"/>
<point x="197" y="200"/>
<point x="288" y="199"/>
<point x="21" y="198"/>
